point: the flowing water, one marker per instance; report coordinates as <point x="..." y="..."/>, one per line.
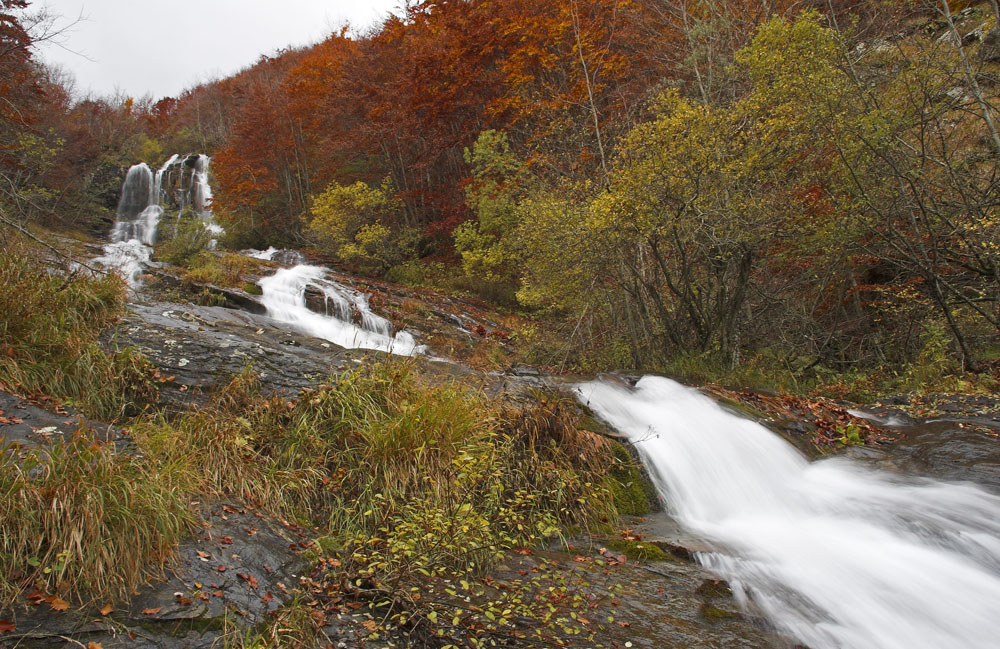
<point x="181" y="182"/>
<point x="348" y="321"/>
<point x="835" y="553"/>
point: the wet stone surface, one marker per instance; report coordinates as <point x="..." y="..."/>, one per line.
<point x="28" y="423"/>
<point x="202" y="348"/>
<point x="240" y="567"/>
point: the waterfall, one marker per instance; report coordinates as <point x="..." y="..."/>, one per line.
<point x="835" y="553"/>
<point x="349" y="321"/>
<point x="180" y="182"/>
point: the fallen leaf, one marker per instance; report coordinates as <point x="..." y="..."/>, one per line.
<point x="221" y="568"/>
<point x="217" y="593"/>
<point x="7" y="626"/>
<point x="107" y="610"/>
<point x="151" y="611"/>
<point x="94" y="645"/>
<point x="371" y="625"/>
<point x="59" y="604"/>
<point x="228" y="540"/>
<point x="204" y="556"/>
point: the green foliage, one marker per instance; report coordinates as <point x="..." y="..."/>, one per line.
<point x="49" y="328"/>
<point x="78" y="519"/>
<point x="227" y="270"/>
<point x="488" y="244"/>
<point x="182" y="239"/>
<point x="362" y="225"/>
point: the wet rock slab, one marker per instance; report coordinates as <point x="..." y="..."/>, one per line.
<point x="241" y="567"/>
<point x="30" y="423"/>
<point x="198" y="348"/>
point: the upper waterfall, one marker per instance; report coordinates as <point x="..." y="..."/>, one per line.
<point x="181" y="183"/>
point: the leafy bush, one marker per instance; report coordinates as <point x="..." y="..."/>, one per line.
<point x="362" y="225"/>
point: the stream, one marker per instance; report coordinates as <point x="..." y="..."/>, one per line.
<point x="836" y="553"/>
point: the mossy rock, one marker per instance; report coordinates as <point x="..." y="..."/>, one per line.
<point x="715" y="614"/>
<point x="252" y="288"/>
<point x="639" y="550"/>
<point x="712" y="588"/>
<point x="632" y="490"/>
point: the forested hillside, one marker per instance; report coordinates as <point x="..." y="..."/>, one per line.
<point x="797" y="188"/>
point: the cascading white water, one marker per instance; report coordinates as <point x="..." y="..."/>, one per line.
<point x="836" y="554"/>
<point x="285" y="300"/>
<point x="145" y="200"/>
<point x="201" y="191"/>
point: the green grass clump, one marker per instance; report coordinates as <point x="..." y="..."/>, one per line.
<point x="49" y="328"/>
<point x="640" y="550"/>
<point x="81" y="521"/>
<point x="227" y="270"/>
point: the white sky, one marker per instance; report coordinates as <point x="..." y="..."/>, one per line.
<point x="163" y="47"/>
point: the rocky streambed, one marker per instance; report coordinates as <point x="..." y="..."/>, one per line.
<point x="242" y="565"/>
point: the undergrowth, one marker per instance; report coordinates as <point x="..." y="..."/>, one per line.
<point x="83" y="522"/>
<point x="49" y="328"/>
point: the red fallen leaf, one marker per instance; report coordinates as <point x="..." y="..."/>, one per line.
<point x="203" y="555"/>
<point x="250" y="579"/>
<point x="59" y="604"/>
<point x="221" y="568"/>
<point x="7" y="627"/>
<point x="227" y="540"/>
<point x="267" y="598"/>
<point x="106" y="611"/>
<point x="151" y="611"/>
<point x="203" y="597"/>
<point x="95" y="645"/>
<point x="184" y="601"/>
<point x="217" y="593"/>
<point x="36" y="597"/>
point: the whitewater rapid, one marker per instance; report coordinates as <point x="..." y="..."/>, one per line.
<point x="349" y="321"/>
<point x="836" y="554"/>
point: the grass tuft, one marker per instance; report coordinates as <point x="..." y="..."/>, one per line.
<point x="79" y="520"/>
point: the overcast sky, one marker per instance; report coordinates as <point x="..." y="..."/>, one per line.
<point x="162" y="47"/>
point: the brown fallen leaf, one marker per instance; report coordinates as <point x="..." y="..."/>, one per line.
<point x="7" y="626"/>
<point x="59" y="604"/>
<point x="204" y="556"/>
<point x="371" y="625"/>
<point x="107" y="610"/>
<point x="221" y="568"/>
<point x="228" y="540"/>
<point x="151" y="611"/>
<point x="94" y="645"/>
<point x="217" y="593"/>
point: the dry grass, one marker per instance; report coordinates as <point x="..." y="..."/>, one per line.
<point x="81" y="521"/>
